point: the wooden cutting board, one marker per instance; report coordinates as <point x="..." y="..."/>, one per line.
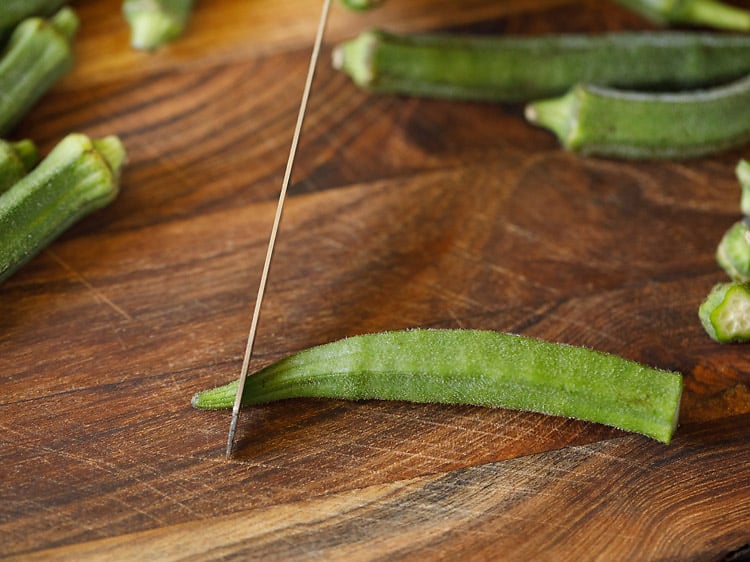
<point x="402" y="213"/>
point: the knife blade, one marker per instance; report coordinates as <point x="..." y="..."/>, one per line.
<point x="276" y="222"/>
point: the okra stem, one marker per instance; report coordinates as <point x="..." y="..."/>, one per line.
<point x="709" y="13"/>
<point x="608" y="122"/>
<point x="513" y="68"/>
<point x="725" y="314"/>
<point x="16" y="159"/>
<point x="483" y="368"/>
<point x="154" y="23"/>
<point x="38" y="53"/>
<point x="78" y="176"/>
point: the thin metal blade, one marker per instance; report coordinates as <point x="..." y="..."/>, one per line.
<point x="277" y="220"/>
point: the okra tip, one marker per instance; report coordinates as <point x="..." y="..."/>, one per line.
<point x="113" y="152"/>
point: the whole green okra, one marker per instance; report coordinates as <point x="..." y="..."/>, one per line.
<point x="12" y="12"/>
<point x="78" y="176"/>
<point x="483" y="368"/>
<point x="600" y="121"/>
<point x="709" y="13"/>
<point x="38" y="53"/>
<point x="16" y="160"/>
<point x="521" y="68"/>
<point x="154" y="23"/>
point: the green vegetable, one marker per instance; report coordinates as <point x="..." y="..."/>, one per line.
<point x="733" y="252"/>
<point x="77" y="177"/>
<point x="743" y="176"/>
<point x="708" y="13"/>
<point x="472" y="367"/>
<point x="16" y="159"/>
<point x="361" y="4"/>
<point x="608" y="122"/>
<point x="725" y="314"/>
<point x="13" y="12"/>
<point x="511" y="68"/>
<point x="154" y="23"/>
<point x="38" y="53"/>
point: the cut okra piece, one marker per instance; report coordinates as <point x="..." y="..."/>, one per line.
<point x="16" y="160"/>
<point x="38" y="53"/>
<point x="733" y="252"/>
<point x="12" y="12"/>
<point x="154" y="23"/>
<point x="709" y="13"/>
<point x="600" y="121"/>
<point x="725" y="314"/>
<point x="78" y="176"/>
<point x="743" y="176"/>
<point x="519" y="68"/>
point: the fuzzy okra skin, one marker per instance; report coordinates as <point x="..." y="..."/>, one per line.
<point x="709" y="13"/>
<point x="512" y="68"/>
<point x="16" y="160"/>
<point x="38" y="53"/>
<point x="154" y="23"/>
<point x="600" y="121"/>
<point x="725" y="314"/>
<point x="78" y="176"/>
<point x="483" y="368"/>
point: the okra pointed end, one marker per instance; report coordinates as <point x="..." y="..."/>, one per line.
<point x="215" y="398"/>
<point x="725" y="314"/>
<point x="559" y="115"/>
<point x="355" y="58"/>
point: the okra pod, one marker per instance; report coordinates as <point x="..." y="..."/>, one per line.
<point x="733" y="252"/>
<point x="600" y="121"/>
<point x="154" y="23"/>
<point x="709" y="13"/>
<point x="16" y="160"/>
<point x="12" y="12"/>
<point x="512" y="68"/>
<point x="78" y="176"/>
<point x="743" y="176"/>
<point x="725" y="314"/>
<point x="482" y="368"/>
<point x="38" y="53"/>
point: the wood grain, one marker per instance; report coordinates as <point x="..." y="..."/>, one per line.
<point x="402" y="213"/>
<point x="598" y="493"/>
